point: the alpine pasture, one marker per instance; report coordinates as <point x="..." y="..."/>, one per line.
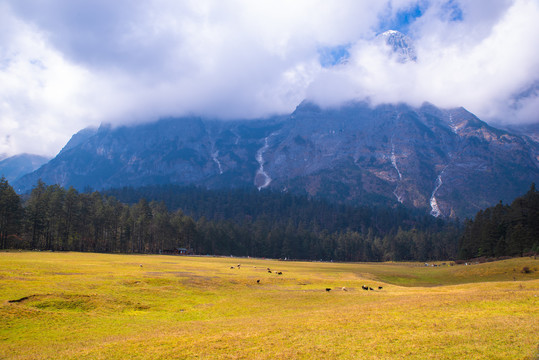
<point x="106" y="306"/>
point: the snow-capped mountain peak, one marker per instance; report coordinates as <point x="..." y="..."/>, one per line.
<point x="400" y="45"/>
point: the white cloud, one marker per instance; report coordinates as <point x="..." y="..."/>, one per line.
<point x="481" y="73"/>
<point x="65" y="65"/>
<point x="39" y="91"/>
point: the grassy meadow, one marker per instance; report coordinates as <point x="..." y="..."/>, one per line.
<point x="103" y="306"/>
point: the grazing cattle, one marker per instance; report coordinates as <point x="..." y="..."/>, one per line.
<point x="380" y="288"/>
<point x="140" y="265"/>
<point x="239" y="265"/>
<point x="364" y="287"/>
<point x="269" y="271"/>
<point x="232" y="267"/>
<point x="371" y="288"/>
<point x="328" y="289"/>
<point x="344" y="289"/>
<point x="258" y="281"/>
<point x="279" y="273"/>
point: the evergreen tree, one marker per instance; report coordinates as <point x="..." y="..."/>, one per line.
<point x="36" y="215"/>
<point x="10" y="214"/>
<point x="503" y="230"/>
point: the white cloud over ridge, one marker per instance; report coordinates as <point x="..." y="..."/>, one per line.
<point x="68" y="64"/>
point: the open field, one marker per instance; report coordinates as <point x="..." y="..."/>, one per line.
<point x="100" y="306"/>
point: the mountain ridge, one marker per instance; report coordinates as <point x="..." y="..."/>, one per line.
<point x="445" y="161"/>
<point x="14" y="167"/>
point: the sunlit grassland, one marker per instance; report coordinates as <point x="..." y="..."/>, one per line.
<point x="99" y="306"/>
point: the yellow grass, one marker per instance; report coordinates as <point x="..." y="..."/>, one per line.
<point x="99" y="306"/>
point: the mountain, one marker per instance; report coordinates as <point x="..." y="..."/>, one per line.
<point x="16" y="166"/>
<point x="445" y="161"/>
<point x="79" y="138"/>
<point x="400" y="45"/>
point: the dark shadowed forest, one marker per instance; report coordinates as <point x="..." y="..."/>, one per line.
<point x="254" y="223"/>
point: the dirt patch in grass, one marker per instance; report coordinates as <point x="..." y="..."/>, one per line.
<point x="187" y="274"/>
<point x="57" y="302"/>
<point x="65" y="273"/>
<point x="76" y="302"/>
<point x="21" y="299"/>
<point x="131" y="282"/>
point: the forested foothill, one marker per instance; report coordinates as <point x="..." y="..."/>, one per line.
<point x="245" y="222"/>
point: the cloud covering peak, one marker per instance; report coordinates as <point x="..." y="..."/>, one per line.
<point x="65" y="65"/>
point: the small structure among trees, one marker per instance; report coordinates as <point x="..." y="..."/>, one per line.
<point x="178" y="251"/>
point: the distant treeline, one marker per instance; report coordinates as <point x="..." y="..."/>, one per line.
<point x="503" y="230"/>
<point x="218" y="222"/>
<point x="283" y="225"/>
<point x="238" y="222"/>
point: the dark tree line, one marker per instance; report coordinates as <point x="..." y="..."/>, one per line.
<point x="218" y="222"/>
<point x="11" y="214"/>
<point x="252" y="223"/>
<point x="282" y="225"/>
<point x="54" y="218"/>
<point x="504" y="230"/>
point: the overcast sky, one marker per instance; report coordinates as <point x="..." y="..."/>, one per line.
<point x="69" y="64"/>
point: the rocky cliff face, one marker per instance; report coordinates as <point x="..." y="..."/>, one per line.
<point x="447" y="162"/>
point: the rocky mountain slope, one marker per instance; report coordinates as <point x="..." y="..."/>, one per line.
<point x="447" y="162"/>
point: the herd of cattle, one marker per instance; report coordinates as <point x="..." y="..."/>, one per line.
<point x="364" y="287"/>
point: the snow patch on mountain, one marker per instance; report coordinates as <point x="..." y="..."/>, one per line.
<point x="400" y="45"/>
<point x="435" y="209"/>
<point x="400" y="198"/>
<point x="262" y="178"/>
<point x="215" y="158"/>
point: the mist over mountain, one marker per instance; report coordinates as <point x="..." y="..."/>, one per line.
<point x="529" y="130"/>
<point x="444" y="161"/>
<point x="69" y="65"/>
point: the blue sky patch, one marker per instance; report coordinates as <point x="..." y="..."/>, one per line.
<point x="452" y="11"/>
<point x="333" y="55"/>
<point x="404" y="18"/>
<point x="407" y="17"/>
